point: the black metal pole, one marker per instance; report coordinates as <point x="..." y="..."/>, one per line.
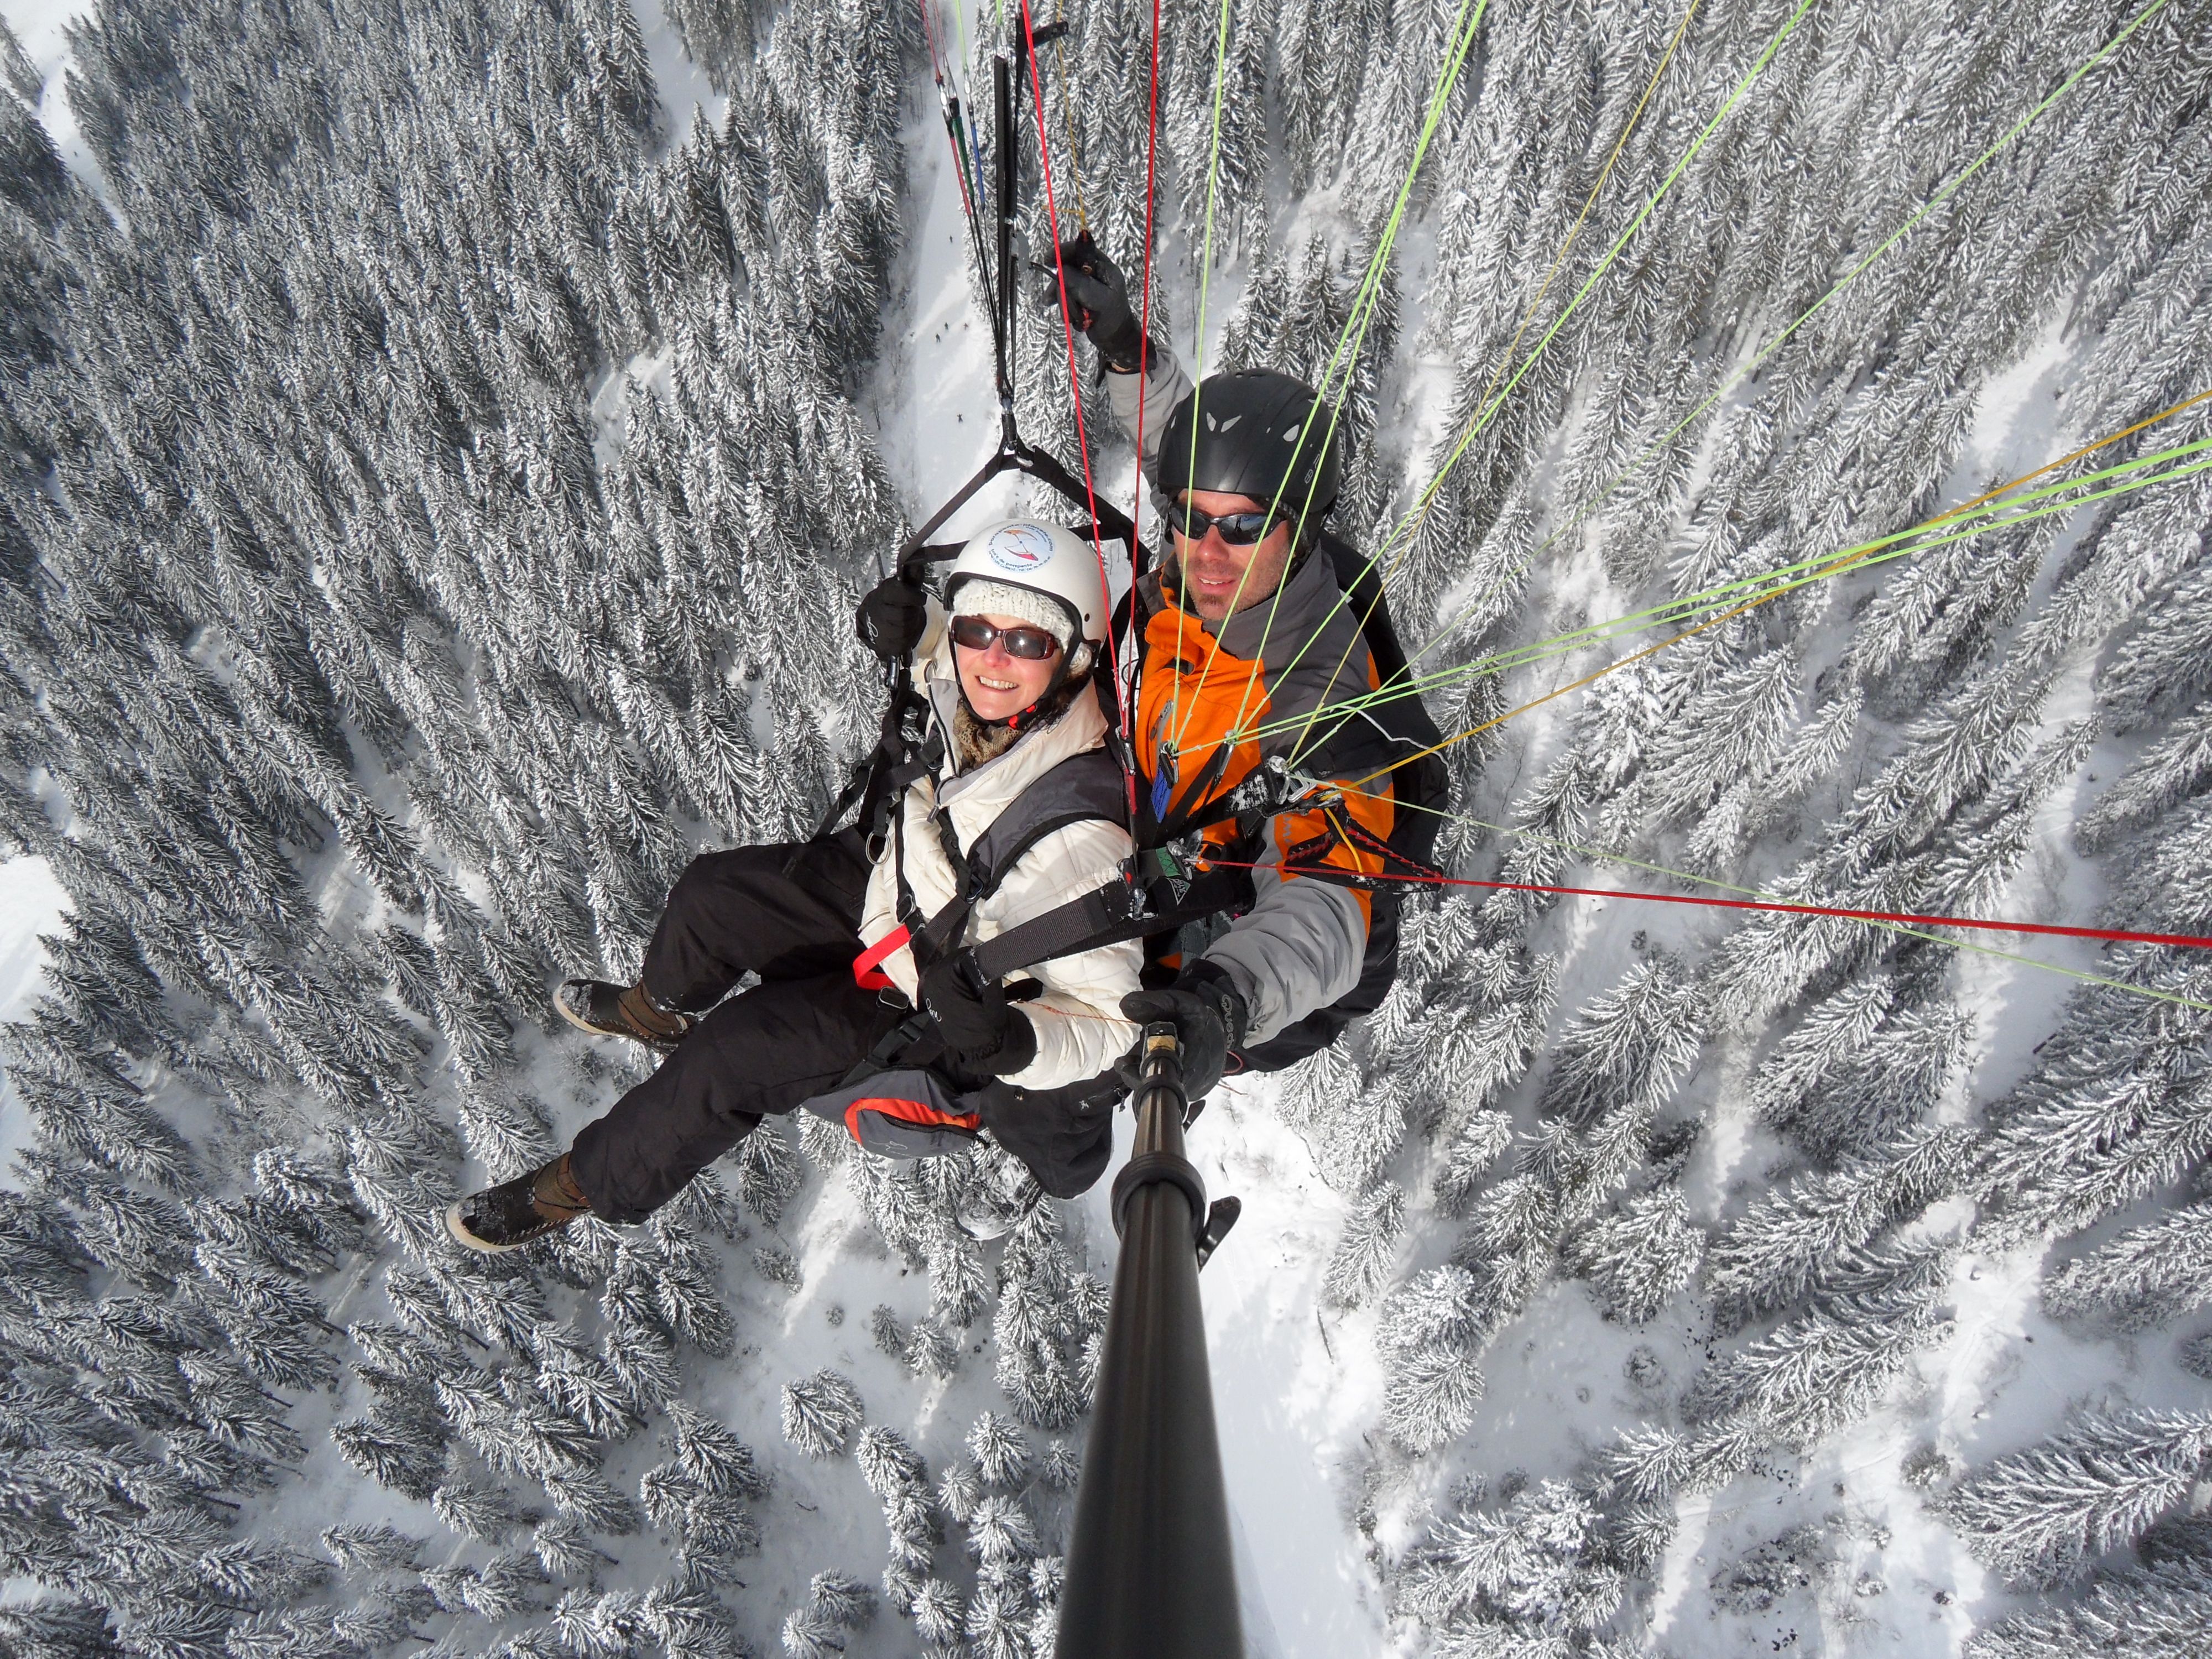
<point x="1149" y="1574"/>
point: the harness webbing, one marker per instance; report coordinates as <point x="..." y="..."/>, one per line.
<point x="1083" y="787"/>
<point x="868" y="967"/>
<point x="1105" y="915"/>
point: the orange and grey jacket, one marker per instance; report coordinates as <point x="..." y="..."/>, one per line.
<point x="1204" y="688"/>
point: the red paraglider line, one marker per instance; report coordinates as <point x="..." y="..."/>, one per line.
<point x="936" y="70"/>
<point x="1074" y="378"/>
<point x="2111" y="935"/>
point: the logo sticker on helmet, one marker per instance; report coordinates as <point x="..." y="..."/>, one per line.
<point x="1021" y="548"/>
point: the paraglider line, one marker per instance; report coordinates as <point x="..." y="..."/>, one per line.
<point x="2106" y="935"/>
<point x="1067" y="331"/>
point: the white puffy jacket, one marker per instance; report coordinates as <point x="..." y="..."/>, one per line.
<point x="1079" y="1029"/>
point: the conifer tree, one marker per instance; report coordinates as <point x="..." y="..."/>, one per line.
<point x="2046" y="1513"/>
<point x="1778" y="1251"/>
<point x="820" y="1413"/>
<point x="1364" y="1254"/>
<point x="1640" y="1255"/>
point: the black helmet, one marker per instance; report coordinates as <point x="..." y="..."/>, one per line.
<point x="1253" y="438"/>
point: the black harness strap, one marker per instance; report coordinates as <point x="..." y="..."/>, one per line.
<point x="889" y="1048"/>
<point x="1109" y="914"/>
<point x="1082" y="789"/>
<point x="880" y="775"/>
<point x="1181" y="816"/>
<point x="925" y="935"/>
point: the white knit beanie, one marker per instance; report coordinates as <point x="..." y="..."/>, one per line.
<point x="979" y="596"/>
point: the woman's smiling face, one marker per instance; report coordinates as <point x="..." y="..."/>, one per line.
<point x="998" y="684"/>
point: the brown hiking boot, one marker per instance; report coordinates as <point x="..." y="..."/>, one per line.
<point x="604" y="1010"/>
<point x="518" y="1211"/>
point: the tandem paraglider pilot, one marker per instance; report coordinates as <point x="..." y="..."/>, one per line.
<point x="1257" y="745"/>
<point x="865" y="1010"/>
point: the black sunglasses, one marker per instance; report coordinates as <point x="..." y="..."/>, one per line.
<point x="1237" y="529"/>
<point x="1031" y="644"/>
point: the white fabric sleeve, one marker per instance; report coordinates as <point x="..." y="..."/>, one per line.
<point x="1080" y="1032"/>
<point x="1163" y="386"/>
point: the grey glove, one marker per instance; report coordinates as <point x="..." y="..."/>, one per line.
<point x="1099" y="295"/>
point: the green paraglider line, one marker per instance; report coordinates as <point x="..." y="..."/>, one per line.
<point x="1759" y="66"/>
<point x="1354" y="329"/>
<point x="1772" y="584"/>
<point x="1362" y="313"/>
<point x="1942" y="196"/>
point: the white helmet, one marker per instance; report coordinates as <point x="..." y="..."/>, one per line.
<point x="1041" y="558"/>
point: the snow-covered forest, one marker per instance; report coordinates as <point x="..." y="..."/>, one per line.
<point x="444" y="442"/>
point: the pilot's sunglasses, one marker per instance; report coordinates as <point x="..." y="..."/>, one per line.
<point x="1237" y="529"/>
<point x="1031" y="644"/>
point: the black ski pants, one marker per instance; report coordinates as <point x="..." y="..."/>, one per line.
<point x="794" y="1035"/>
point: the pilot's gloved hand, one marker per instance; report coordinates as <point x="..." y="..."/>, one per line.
<point x="1209" y="1015"/>
<point x="893" y="616"/>
<point x="1100" y="296"/>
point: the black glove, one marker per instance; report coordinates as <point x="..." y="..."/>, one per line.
<point x="1100" y="294"/>
<point x="892" y="617"/>
<point x="988" y="1035"/>
<point x="1208" y="1015"/>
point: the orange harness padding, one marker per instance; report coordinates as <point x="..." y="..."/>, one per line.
<point x="1193" y="696"/>
<point x="901" y="1111"/>
<point x="917" y="1112"/>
